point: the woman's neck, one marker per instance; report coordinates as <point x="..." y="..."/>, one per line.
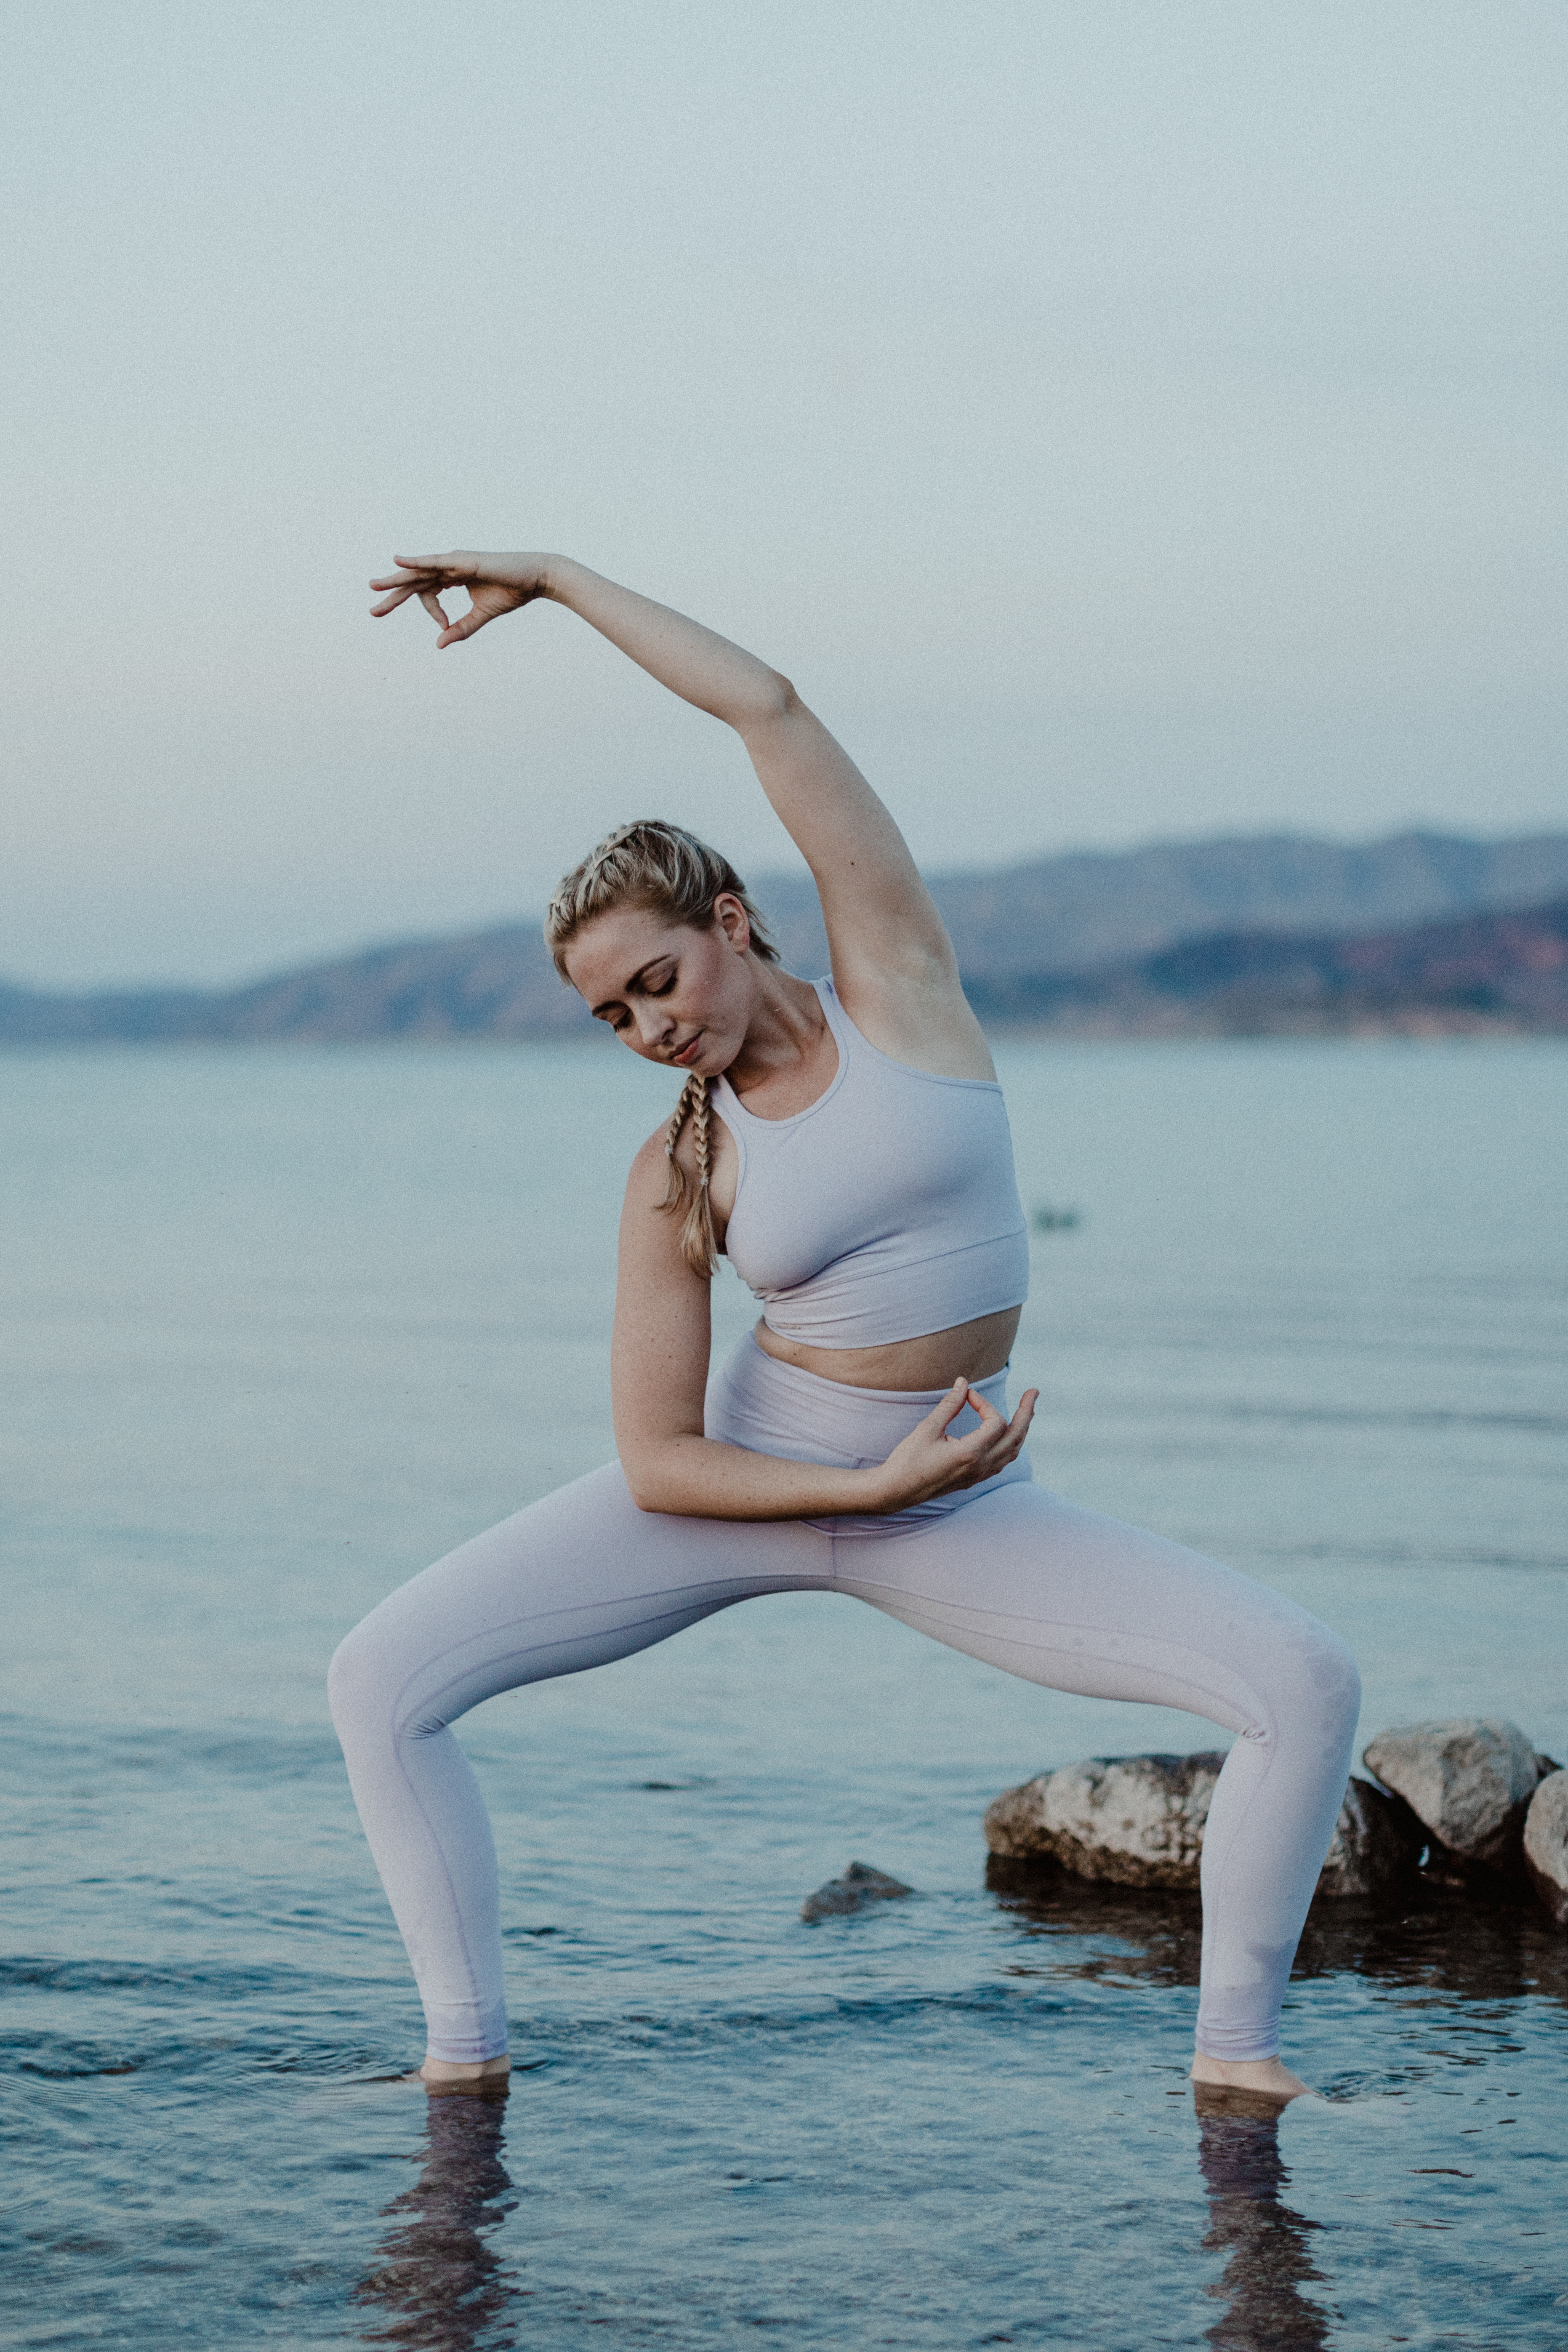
<point x="787" y="1039"/>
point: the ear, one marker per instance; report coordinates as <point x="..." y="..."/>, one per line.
<point x="732" y="922"/>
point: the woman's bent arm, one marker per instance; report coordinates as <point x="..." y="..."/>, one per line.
<point x="659" y="1370"/>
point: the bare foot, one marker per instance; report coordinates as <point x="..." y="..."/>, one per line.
<point x="488" y="2080"/>
<point x="1244" y="2086"/>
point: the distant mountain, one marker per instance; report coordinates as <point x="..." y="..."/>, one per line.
<point x="499" y="983"/>
<point x="1095" y="907"/>
<point x="1251" y="934"/>
<point x="1504" y="973"/>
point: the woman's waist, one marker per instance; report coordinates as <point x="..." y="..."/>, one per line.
<point x="976" y="1350"/>
<point x="768" y="1405"/>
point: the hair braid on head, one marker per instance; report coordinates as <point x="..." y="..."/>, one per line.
<point x="653" y="864"/>
<point x="699" y="1245"/>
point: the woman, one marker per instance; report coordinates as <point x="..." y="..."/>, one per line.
<point x="845" y="1144"/>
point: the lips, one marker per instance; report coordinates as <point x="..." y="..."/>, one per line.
<point x="687" y="1054"/>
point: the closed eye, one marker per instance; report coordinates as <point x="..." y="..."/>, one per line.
<point x="614" y="1013"/>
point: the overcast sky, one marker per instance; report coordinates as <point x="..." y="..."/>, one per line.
<point x="1119" y="420"/>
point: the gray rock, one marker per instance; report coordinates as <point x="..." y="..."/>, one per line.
<point x="1377" y="1841"/>
<point x="1546" y="1844"/>
<point x="1138" y="1821"/>
<point x="1134" y="1821"/>
<point x="1469" y="1780"/>
<point x="860" y="1885"/>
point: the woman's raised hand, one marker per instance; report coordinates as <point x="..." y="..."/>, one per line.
<point x="927" y="1462"/>
<point x="496" y="585"/>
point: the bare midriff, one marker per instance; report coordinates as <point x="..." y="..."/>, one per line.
<point x="970" y="1350"/>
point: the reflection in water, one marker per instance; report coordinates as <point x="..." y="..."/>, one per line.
<point x="1264" y="2242"/>
<point x="444" y="2287"/>
<point x="1441" y="1947"/>
<point x="1440" y="1939"/>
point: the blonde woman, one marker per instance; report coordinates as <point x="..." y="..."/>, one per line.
<point x="844" y="1141"/>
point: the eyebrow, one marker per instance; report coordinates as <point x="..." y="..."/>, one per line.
<point x="598" y="1010"/>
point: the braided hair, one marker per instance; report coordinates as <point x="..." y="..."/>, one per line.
<point x="698" y="1244"/>
<point x="667" y="869"/>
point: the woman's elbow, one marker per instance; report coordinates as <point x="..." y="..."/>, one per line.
<point x="648" y="1482"/>
<point x="770" y="699"/>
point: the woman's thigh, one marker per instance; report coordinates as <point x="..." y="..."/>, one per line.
<point x="1080" y="1602"/>
<point x="578" y="1579"/>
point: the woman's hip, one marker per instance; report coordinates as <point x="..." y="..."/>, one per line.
<point x="756" y="1401"/>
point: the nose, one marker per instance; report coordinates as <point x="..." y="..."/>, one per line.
<point x="653" y="1024"/>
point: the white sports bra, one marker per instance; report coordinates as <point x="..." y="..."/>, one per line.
<point x="888" y="1208"/>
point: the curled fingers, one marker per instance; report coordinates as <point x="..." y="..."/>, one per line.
<point x="1000" y="1441"/>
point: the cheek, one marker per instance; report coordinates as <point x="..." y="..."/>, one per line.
<point x="723" y="989"/>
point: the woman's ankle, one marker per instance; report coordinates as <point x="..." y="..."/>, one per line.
<point x="446" y="2075"/>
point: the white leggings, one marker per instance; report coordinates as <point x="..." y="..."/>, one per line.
<point x="1005" y="1572"/>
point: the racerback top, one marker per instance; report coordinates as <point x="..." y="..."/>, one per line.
<point x="888" y="1208"/>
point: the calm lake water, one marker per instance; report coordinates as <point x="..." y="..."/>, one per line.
<point x="281" y="1327"/>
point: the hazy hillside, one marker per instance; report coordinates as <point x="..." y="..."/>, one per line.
<point x="1260" y="934"/>
<point x="1093" y="908"/>
<point x="1473" y="975"/>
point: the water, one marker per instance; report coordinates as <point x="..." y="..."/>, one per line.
<point x="281" y="1327"/>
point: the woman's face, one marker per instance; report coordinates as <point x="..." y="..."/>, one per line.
<point x="675" y="995"/>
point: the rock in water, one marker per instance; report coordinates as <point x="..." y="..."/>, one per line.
<point x="1377" y="1841"/>
<point x="1470" y="1780"/>
<point x="1138" y="1821"/>
<point x="1135" y="1821"/>
<point x="860" y="1884"/>
<point x="1546" y="1844"/>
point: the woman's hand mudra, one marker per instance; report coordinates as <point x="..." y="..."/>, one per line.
<point x="927" y="1462"/>
<point x="496" y="585"/>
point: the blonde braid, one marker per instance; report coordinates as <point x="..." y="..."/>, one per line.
<point x="698" y="1245"/>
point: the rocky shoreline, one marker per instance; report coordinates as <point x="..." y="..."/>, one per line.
<point x="1466" y="1805"/>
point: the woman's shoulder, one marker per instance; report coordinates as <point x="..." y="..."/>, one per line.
<point x="923" y="1022"/>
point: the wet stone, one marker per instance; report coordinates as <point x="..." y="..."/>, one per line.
<point x="1376" y="1843"/>
<point x="1138" y="1821"/>
<point x="859" y="1886"/>
<point x="1131" y="1821"/>
<point x="1468" y="1779"/>
<point x="1546" y="1844"/>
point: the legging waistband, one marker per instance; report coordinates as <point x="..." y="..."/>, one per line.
<point x="768" y="1407"/>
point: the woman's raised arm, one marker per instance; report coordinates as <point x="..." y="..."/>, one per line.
<point x="892" y="961"/>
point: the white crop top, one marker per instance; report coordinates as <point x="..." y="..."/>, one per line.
<point x="888" y="1208"/>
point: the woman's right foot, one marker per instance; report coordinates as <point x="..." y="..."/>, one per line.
<point x="487" y="2079"/>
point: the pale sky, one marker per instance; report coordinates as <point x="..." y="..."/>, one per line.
<point x="1119" y="420"/>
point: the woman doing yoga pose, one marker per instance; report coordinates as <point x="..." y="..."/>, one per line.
<point x="844" y="1141"/>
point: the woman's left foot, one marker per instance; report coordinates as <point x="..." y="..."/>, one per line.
<point x="1245" y="2086"/>
<point x="488" y="2080"/>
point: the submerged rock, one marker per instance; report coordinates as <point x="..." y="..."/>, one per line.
<point x="1135" y="1821"/>
<point x="1546" y="1844"/>
<point x="1468" y="1779"/>
<point x="860" y="1885"/>
<point x="1138" y="1821"/>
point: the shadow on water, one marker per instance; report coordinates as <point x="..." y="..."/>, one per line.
<point x="440" y="2285"/>
<point x="1438" y="1939"/>
<point x="1263" y="2241"/>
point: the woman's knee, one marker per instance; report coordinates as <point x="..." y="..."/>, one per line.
<point x="358" y="1682"/>
<point x="1316" y="1680"/>
<point x="1336" y="1677"/>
